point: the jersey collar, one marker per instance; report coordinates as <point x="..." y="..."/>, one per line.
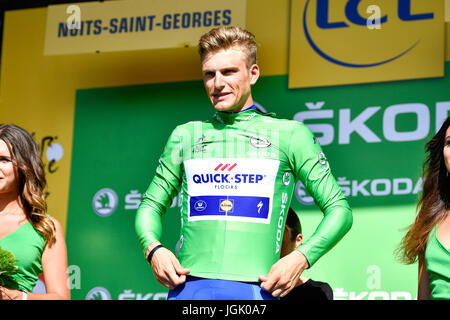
<point x="243" y="115"/>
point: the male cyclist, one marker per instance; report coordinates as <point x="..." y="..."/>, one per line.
<point x="237" y="173"/>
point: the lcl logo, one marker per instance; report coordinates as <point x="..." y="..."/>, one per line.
<point x="353" y="16"/>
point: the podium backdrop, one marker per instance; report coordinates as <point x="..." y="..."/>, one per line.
<point x="102" y="115"/>
<point x="373" y="136"/>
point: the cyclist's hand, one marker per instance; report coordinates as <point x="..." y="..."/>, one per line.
<point x="284" y="274"/>
<point x="166" y="267"/>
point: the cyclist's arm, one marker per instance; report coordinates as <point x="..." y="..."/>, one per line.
<point x="160" y="193"/>
<point x="312" y="168"/>
<point x="314" y="172"/>
<point x="158" y="197"/>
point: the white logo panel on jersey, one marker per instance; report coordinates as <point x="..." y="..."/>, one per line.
<point x="230" y="189"/>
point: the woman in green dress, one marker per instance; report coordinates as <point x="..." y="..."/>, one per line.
<point x="35" y="238"/>
<point x="428" y="238"/>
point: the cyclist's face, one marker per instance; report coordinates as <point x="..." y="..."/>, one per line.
<point x="447" y="149"/>
<point x="228" y="80"/>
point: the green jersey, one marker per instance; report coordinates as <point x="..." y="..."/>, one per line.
<point x="237" y="174"/>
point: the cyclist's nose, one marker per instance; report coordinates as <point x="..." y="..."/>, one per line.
<point x="218" y="81"/>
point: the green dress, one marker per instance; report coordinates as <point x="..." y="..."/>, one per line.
<point x="27" y="245"/>
<point x="437" y="260"/>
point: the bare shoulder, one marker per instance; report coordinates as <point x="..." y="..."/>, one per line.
<point x="56" y="223"/>
<point x="59" y="231"/>
<point x="59" y="236"/>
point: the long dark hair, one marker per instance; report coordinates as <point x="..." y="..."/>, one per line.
<point x="434" y="200"/>
<point x="31" y="175"/>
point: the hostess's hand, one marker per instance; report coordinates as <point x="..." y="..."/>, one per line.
<point x="10" y="294"/>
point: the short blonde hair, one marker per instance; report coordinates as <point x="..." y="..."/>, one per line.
<point x="225" y="38"/>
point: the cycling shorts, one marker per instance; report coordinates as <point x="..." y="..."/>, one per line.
<point x="215" y="289"/>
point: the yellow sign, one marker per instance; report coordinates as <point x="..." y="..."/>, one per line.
<point x="136" y="24"/>
<point x="447" y="10"/>
<point x="359" y="41"/>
